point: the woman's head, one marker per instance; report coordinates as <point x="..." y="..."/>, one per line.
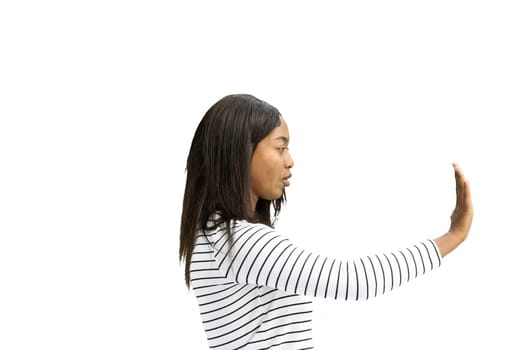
<point x="231" y="169"/>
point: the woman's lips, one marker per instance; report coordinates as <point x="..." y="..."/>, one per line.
<point x="286" y="180"/>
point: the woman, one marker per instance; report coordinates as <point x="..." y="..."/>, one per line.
<point x="251" y="282"/>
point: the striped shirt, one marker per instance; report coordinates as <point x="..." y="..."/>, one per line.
<point x="252" y="294"/>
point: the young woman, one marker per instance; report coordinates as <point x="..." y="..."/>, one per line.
<point x="251" y="282"/>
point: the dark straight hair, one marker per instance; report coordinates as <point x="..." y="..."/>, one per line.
<point x="218" y="170"/>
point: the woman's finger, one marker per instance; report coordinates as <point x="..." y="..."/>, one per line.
<point x="468" y="198"/>
<point x="459" y="184"/>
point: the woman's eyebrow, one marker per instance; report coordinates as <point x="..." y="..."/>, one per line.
<point x="282" y="138"/>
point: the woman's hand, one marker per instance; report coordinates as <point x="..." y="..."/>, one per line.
<point x="461" y="218"/>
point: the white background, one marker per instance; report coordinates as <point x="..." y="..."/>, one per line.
<point x="99" y="101"/>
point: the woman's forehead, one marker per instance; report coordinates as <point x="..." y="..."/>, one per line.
<point x="281" y="132"/>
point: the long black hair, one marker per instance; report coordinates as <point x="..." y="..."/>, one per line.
<point x="218" y="170"/>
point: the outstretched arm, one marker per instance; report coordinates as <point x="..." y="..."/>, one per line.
<point x="260" y="256"/>
<point x="461" y="218"/>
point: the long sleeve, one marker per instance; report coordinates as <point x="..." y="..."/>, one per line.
<point x="258" y="255"/>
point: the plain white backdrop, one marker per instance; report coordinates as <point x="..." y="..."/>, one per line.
<point x="99" y="101"/>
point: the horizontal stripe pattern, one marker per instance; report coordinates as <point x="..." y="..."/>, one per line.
<point x="251" y="293"/>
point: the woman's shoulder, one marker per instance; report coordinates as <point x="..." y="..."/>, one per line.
<point x="240" y="230"/>
<point x="244" y="224"/>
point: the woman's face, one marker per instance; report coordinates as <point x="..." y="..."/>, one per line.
<point x="270" y="166"/>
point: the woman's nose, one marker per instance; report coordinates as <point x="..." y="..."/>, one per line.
<point x="288" y="162"/>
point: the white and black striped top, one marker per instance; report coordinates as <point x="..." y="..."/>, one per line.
<point x="251" y="294"/>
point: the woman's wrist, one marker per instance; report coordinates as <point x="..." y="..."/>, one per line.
<point x="448" y="242"/>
